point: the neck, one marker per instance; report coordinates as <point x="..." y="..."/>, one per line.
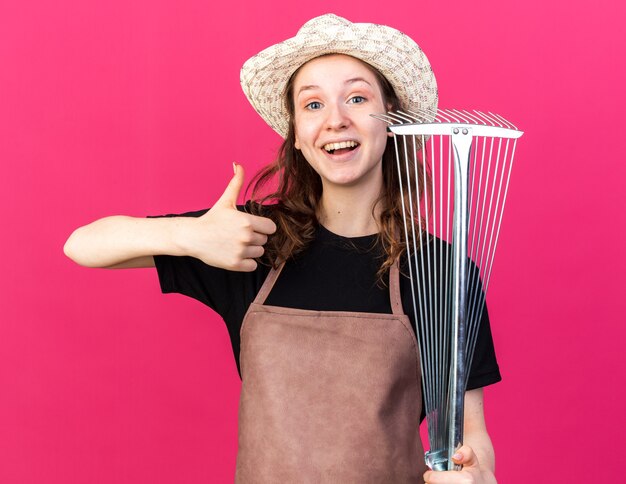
<point x="344" y="213"/>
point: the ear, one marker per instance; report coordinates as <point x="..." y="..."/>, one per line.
<point x="296" y="142"/>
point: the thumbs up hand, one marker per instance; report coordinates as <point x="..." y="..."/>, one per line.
<point x="225" y="237"/>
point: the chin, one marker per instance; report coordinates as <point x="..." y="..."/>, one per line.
<point x="345" y="181"/>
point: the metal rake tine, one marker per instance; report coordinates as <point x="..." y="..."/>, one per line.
<point x="396" y="117"/>
<point x="383" y="118"/>
<point x="443" y="113"/>
<point x="508" y="123"/>
<point x="481" y="117"/>
<point x="489" y="120"/>
<point x="430" y="112"/>
<point x="495" y="120"/>
<point x="419" y="115"/>
<point x="408" y="117"/>
<point x="473" y="117"/>
<point x="425" y="115"/>
<point x="462" y="117"/>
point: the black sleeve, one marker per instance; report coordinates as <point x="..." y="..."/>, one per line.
<point x="228" y="293"/>
<point x="194" y="278"/>
<point x="220" y="289"/>
<point x="484" y="370"/>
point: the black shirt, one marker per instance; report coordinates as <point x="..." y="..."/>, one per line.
<point x="334" y="274"/>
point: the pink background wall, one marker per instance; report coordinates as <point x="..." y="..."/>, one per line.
<point x="135" y="107"/>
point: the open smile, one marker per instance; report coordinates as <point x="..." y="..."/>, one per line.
<point x="340" y="147"/>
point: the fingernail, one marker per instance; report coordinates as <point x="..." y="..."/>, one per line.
<point x="457" y="456"/>
<point x="234" y="168"/>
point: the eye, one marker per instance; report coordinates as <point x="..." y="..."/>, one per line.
<point x="314" y="105"/>
<point x="357" y="100"/>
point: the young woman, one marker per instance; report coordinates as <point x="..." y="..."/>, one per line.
<point x="309" y="279"/>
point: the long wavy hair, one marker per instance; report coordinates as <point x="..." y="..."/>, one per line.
<point x="293" y="201"/>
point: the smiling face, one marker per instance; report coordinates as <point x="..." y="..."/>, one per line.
<point x="334" y="96"/>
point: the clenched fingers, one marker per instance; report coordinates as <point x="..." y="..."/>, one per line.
<point x="252" y="252"/>
<point x="262" y="225"/>
<point x="257" y="239"/>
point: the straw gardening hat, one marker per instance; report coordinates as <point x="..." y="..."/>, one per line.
<point x="397" y="57"/>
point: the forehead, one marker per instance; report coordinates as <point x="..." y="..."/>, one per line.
<point x="338" y="67"/>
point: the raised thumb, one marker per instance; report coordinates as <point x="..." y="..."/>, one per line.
<point x="230" y="195"/>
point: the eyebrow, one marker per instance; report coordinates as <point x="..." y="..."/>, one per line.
<point x="315" y="86"/>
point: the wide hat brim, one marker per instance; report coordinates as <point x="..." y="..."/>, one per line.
<point x="264" y="77"/>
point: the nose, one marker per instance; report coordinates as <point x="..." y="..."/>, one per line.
<point x="337" y="118"/>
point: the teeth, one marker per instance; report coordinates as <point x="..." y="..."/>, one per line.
<point x="338" y="146"/>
